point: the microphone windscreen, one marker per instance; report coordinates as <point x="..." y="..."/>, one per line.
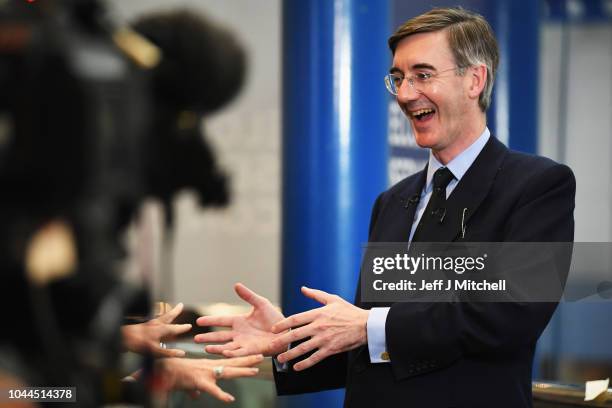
<point x="203" y="66"/>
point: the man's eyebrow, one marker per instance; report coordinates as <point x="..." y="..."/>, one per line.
<point x="424" y="65"/>
<point x="420" y="65"/>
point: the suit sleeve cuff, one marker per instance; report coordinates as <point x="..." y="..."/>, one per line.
<point x="377" y="341"/>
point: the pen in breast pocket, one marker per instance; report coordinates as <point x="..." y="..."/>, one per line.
<point x="463" y="223"/>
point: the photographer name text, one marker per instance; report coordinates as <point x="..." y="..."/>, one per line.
<point x="441" y="285"/>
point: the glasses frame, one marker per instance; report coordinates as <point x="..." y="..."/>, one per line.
<point x="413" y="79"/>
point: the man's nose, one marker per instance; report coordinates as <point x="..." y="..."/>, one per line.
<point x="407" y="92"/>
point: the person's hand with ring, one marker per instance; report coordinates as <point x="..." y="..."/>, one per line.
<point x="201" y="375"/>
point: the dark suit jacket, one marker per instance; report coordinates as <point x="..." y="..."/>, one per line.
<point x="458" y="354"/>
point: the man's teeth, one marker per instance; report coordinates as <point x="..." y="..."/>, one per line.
<point x="421" y="112"/>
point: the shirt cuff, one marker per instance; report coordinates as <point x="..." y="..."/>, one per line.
<point x="280" y="367"/>
<point x="377" y="340"/>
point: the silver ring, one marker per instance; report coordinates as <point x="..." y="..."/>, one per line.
<point x="162" y="345"/>
<point x="218" y="370"/>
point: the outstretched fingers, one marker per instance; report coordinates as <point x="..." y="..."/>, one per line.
<point x="316" y="357"/>
<point x="164" y="352"/>
<point x="237" y="372"/>
<point x="249" y="296"/>
<point x="243" y="361"/>
<point x="220" y="348"/>
<point x="239" y="352"/>
<point x="299" y="319"/>
<point x="292" y="336"/>
<point x="172" y="314"/>
<point x="318" y="295"/>
<point x="219" y="321"/>
<point x="173" y="330"/>
<point x="299" y="350"/>
<point x="214" y="337"/>
<point x="213" y="389"/>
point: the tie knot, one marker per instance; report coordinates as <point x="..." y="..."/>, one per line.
<point x="442" y="177"/>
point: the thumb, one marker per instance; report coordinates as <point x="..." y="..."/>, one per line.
<point x="249" y="296"/>
<point x="172" y="314"/>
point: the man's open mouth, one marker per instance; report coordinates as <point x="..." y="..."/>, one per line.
<point x="423" y="114"/>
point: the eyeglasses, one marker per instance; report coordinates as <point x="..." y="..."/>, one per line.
<point x="418" y="81"/>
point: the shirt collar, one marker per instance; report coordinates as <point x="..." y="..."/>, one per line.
<point x="460" y="164"/>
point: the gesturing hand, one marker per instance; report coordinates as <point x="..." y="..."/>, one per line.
<point x="145" y="337"/>
<point x="249" y="333"/>
<point x="334" y="328"/>
<point x="196" y="375"/>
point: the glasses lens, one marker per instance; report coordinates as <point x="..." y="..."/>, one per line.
<point x="391" y="81"/>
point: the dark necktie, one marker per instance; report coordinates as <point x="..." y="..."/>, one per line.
<point x="435" y="211"/>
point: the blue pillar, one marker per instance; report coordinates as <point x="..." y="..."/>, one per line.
<point x="514" y="113"/>
<point x="334" y="147"/>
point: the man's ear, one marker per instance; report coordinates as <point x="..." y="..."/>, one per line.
<point x="477" y="76"/>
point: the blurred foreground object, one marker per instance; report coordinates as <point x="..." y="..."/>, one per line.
<point x="202" y="69"/>
<point x="86" y="133"/>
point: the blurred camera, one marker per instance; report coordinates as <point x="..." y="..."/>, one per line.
<point x="88" y="129"/>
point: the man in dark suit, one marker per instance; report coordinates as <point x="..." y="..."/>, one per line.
<point x="465" y="354"/>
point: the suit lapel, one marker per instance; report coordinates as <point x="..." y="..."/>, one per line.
<point x="471" y="191"/>
<point x="402" y="208"/>
<point x="400" y="211"/>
